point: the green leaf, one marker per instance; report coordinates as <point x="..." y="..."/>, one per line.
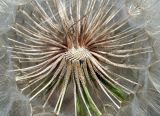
<point x="116" y="90"/>
<point x="91" y="103"/>
<point x="80" y="107"/>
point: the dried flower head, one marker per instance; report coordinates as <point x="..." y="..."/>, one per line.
<point x="87" y="49"/>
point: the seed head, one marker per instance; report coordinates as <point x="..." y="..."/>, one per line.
<point x="84" y="43"/>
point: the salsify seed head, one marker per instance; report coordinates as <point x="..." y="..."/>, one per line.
<point x="86" y="49"/>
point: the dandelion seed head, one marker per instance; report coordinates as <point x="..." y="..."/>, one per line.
<point x="83" y="48"/>
<point x="88" y="50"/>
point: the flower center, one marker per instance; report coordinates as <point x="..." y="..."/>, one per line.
<point x="79" y="54"/>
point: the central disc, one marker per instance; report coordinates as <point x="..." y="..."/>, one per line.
<point x="79" y="54"/>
